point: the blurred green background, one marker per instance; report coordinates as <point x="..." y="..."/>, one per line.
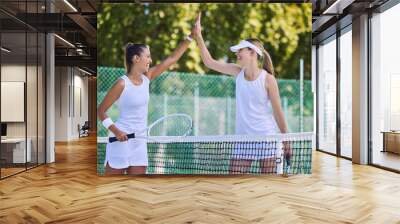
<point x="285" y="30"/>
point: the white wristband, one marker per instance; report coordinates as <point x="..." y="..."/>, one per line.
<point x="107" y="122"/>
<point x="189" y="38"/>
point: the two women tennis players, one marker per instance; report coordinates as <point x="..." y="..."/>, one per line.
<point x="258" y="106"/>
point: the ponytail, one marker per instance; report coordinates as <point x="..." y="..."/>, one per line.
<point x="267" y="63"/>
<point x="266" y="58"/>
<point x="130" y="51"/>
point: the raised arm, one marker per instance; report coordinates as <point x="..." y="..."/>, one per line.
<point x="222" y="67"/>
<point x="273" y="92"/>
<point x="170" y="60"/>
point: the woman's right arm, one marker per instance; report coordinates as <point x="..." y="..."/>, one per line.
<point x="223" y="67"/>
<point x="112" y="96"/>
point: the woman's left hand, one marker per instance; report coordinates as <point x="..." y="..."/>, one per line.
<point x="196" y="30"/>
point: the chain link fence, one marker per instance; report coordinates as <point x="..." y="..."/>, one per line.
<point x="208" y="99"/>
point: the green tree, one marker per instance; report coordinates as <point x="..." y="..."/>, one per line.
<point x="285" y="30"/>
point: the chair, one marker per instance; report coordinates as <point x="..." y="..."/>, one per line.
<point x="84" y="130"/>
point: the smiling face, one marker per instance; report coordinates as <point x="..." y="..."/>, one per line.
<point x="245" y="55"/>
<point x="143" y="61"/>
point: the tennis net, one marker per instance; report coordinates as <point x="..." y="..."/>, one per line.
<point x="230" y="154"/>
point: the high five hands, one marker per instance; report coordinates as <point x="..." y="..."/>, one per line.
<point x="196" y="30"/>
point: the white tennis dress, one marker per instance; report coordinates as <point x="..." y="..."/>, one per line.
<point x="132" y="106"/>
<point x="254" y="116"/>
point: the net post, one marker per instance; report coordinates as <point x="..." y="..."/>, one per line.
<point x="279" y="160"/>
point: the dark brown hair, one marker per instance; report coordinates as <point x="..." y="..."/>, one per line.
<point x="130" y="51"/>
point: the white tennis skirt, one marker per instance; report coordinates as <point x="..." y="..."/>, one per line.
<point x="257" y="150"/>
<point x="121" y="155"/>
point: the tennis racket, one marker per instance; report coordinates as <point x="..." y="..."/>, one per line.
<point x="170" y="125"/>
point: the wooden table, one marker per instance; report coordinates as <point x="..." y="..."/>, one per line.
<point x="391" y="141"/>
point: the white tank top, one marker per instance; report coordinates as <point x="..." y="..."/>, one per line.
<point x="133" y="106"/>
<point x="254" y="113"/>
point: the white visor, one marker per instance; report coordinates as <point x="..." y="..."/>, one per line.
<point x="244" y="44"/>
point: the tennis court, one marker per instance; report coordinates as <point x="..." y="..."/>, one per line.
<point x="210" y="101"/>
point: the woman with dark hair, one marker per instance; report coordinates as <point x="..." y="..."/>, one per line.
<point x="131" y="94"/>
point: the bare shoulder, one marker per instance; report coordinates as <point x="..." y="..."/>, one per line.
<point x="270" y="81"/>
<point x="118" y="86"/>
<point x="114" y="93"/>
<point x="120" y="83"/>
<point x="148" y="74"/>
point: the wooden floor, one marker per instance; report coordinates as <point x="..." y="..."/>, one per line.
<point x="70" y="191"/>
<point x="10" y="171"/>
<point x="387" y="159"/>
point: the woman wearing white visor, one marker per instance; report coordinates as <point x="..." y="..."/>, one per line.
<point x="258" y="104"/>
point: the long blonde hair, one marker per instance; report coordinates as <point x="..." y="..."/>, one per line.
<point x="266" y="58"/>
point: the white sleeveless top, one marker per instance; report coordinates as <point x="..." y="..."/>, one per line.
<point x="254" y="114"/>
<point x="133" y="106"/>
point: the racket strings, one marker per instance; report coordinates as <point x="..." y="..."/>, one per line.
<point x="171" y="126"/>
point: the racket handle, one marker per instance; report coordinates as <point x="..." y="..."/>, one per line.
<point x="114" y="139"/>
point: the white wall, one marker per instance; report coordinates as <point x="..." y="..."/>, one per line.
<point x="61" y="103"/>
<point x="81" y="89"/>
<point x="33" y="127"/>
<point x="71" y="94"/>
<point x="13" y="73"/>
